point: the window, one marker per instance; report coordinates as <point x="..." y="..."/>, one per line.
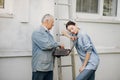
<point x="6" y="8"/>
<point x="87" y="6"/>
<point x="1" y="3"/>
<point x="97" y="9"/>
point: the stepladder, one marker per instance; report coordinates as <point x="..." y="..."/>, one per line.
<point x="65" y="71"/>
<point x="62" y="9"/>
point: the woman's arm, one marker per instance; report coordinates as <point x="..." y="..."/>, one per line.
<point x="87" y="57"/>
<point x="65" y="33"/>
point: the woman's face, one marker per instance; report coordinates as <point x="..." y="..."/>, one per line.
<point x="73" y="29"/>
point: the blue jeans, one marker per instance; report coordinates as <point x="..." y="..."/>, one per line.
<point x="86" y="74"/>
<point x="42" y="75"/>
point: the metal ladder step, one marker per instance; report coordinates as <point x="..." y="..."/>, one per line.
<point x="64" y="65"/>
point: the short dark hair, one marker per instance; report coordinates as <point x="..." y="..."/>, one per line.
<point x="70" y="23"/>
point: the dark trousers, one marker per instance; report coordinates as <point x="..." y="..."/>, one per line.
<point x="42" y="75"/>
<point x="86" y="74"/>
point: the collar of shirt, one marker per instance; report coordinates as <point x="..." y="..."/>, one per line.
<point x="45" y="28"/>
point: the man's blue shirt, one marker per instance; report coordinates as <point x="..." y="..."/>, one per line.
<point x="43" y="45"/>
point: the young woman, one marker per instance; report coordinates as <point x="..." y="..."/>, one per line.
<point x="86" y="51"/>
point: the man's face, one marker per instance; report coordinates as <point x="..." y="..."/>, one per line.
<point x="72" y="29"/>
<point x="50" y="24"/>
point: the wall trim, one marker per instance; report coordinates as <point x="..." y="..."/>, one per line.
<point x="28" y="53"/>
<point x="16" y="53"/>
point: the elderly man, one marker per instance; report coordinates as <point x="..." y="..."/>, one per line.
<point x="43" y="45"/>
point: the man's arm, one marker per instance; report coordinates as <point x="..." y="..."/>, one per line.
<point x="43" y="41"/>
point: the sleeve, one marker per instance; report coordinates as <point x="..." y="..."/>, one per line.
<point x="87" y="44"/>
<point x="43" y="42"/>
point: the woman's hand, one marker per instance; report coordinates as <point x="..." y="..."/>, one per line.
<point x="73" y="38"/>
<point x="81" y="68"/>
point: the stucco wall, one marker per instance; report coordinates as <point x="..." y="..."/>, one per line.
<point x="15" y="42"/>
<point x="19" y="68"/>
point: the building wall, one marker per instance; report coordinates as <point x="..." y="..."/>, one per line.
<point x="15" y="41"/>
<point x="15" y="68"/>
<point x="15" y="37"/>
<point x="19" y="68"/>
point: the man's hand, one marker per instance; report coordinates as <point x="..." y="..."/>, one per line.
<point x="62" y="46"/>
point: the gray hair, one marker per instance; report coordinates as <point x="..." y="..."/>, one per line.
<point x="47" y="17"/>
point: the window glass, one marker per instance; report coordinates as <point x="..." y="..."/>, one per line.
<point x="87" y="6"/>
<point x="1" y="3"/>
<point x="110" y="8"/>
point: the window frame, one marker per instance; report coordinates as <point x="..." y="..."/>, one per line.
<point x="7" y="11"/>
<point x="2" y="5"/>
<point x="99" y="16"/>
